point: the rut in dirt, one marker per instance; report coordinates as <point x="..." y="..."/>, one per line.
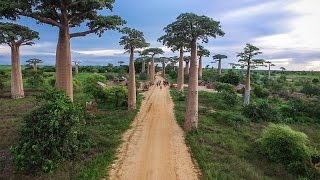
<point x="154" y="147"/>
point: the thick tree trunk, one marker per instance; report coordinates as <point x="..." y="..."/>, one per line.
<point x="35" y="67"/>
<point x="191" y="115"/>
<point x="269" y="73"/>
<point x="152" y="71"/>
<point x="200" y="68"/>
<point x="163" y="70"/>
<point x="187" y="68"/>
<point x="148" y="69"/>
<point x="143" y="69"/>
<point x="180" y="72"/>
<point x="16" y="75"/>
<point x="246" y="98"/>
<point x="219" y="67"/>
<point x="63" y="63"/>
<point x="77" y="69"/>
<point x="132" y="83"/>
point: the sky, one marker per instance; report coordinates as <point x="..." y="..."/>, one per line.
<point x="286" y="32"/>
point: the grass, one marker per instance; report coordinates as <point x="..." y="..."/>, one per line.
<point x="224" y="143"/>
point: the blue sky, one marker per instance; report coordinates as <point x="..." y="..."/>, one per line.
<point x="286" y="31"/>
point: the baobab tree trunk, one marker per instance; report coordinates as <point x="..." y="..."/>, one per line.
<point x="219" y="67"/>
<point x="163" y="70"/>
<point x="35" y="67"/>
<point x="246" y="98"/>
<point x="76" y="69"/>
<point x="16" y="75"/>
<point x="148" y="69"/>
<point x="152" y="71"/>
<point x="132" y="83"/>
<point x="191" y="115"/>
<point x="200" y="68"/>
<point x="180" y="72"/>
<point x="143" y="67"/>
<point x="269" y="73"/>
<point x="187" y="68"/>
<point x="63" y="63"/>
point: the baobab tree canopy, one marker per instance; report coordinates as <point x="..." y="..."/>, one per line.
<point x="152" y="51"/>
<point x="174" y="37"/>
<point x="14" y="33"/>
<point x="203" y="52"/>
<point x="132" y="39"/>
<point x="34" y="61"/>
<point x="248" y="53"/>
<point x="218" y="57"/>
<point x="71" y="13"/>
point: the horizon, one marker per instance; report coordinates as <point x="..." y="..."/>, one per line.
<point x="285" y="35"/>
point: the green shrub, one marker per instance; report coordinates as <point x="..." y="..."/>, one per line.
<point x="311" y="90"/>
<point x="143" y="76"/>
<point x="1" y="85"/>
<point x="49" y="134"/>
<point x="231" y="77"/>
<point x="35" y="80"/>
<point x="90" y="86"/>
<point x="230" y="99"/>
<point x="116" y="95"/>
<point x="315" y="80"/>
<point x="261" y="92"/>
<point x="261" y="112"/>
<point x="283" y="145"/>
<point x="110" y="76"/>
<point x="220" y="87"/>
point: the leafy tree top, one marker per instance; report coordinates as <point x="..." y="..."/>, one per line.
<point x="14" y="34"/>
<point x="34" y="61"/>
<point x="187" y="58"/>
<point x="193" y="26"/>
<point x="64" y="14"/>
<point x="77" y="63"/>
<point x="203" y="52"/>
<point x="143" y="58"/>
<point x="132" y="39"/>
<point x="174" y="38"/>
<point x="270" y="63"/>
<point x="152" y="52"/>
<point x="218" y="57"/>
<point x="283" y="69"/>
<point x="163" y="59"/>
<point x="248" y="54"/>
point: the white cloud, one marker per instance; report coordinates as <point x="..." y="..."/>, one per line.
<point x="102" y="52"/>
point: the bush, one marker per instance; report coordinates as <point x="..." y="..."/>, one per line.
<point x="283" y="145"/>
<point x="49" y="134"/>
<point x="90" y="86"/>
<point x="116" y="95"/>
<point x="230" y="99"/>
<point x="231" y="78"/>
<point x="220" y="87"/>
<point x="143" y="76"/>
<point x="261" y="92"/>
<point x="261" y="112"/>
<point x="315" y="80"/>
<point x="311" y="90"/>
<point x="35" y="80"/>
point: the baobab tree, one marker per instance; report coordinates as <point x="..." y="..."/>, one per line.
<point x="133" y="39"/>
<point x="202" y="52"/>
<point x="187" y="60"/>
<point x="76" y="66"/>
<point x="65" y="15"/>
<point x="174" y="60"/>
<point x="269" y="71"/>
<point x="152" y="52"/>
<point x="247" y="59"/>
<point x="143" y="60"/>
<point x="176" y="40"/>
<point x="120" y="62"/>
<point x="196" y="28"/>
<point x="15" y="36"/>
<point x="163" y="61"/>
<point x="218" y="58"/>
<point x="283" y="69"/>
<point x="34" y="62"/>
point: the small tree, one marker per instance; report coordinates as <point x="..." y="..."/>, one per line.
<point x="120" y="62"/>
<point x="65" y="15"/>
<point x="76" y="66"/>
<point x="152" y="52"/>
<point x="217" y="58"/>
<point x="202" y="52"/>
<point x="15" y="36"/>
<point x="283" y="69"/>
<point x="133" y="39"/>
<point x="195" y="27"/>
<point x="246" y="58"/>
<point x="269" y="71"/>
<point x="34" y="62"/>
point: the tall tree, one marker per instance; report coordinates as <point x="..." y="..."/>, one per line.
<point x="133" y="39"/>
<point x="65" y="15"/>
<point x="143" y="60"/>
<point x="283" y="69"/>
<point x="218" y="58"/>
<point x="247" y="59"/>
<point x="152" y="52"/>
<point x="173" y="61"/>
<point x="15" y="36"/>
<point x="76" y="66"/>
<point x="120" y="62"/>
<point x="269" y="70"/>
<point x="34" y="62"/>
<point x="175" y="39"/>
<point x="163" y="61"/>
<point x="202" y="52"/>
<point x="196" y="28"/>
<point x="187" y="60"/>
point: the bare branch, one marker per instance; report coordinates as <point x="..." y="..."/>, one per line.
<point x="84" y="33"/>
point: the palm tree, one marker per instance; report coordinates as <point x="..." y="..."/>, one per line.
<point x="152" y="52"/>
<point x="131" y="40"/>
<point x="218" y="58"/>
<point x="269" y="72"/>
<point x="76" y="66"/>
<point x="202" y="52"/>
<point x="16" y="36"/>
<point x="246" y="58"/>
<point x="34" y="63"/>
<point x="120" y="62"/>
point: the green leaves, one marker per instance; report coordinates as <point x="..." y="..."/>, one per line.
<point x="202" y="52"/>
<point x="246" y="57"/>
<point x="152" y="51"/>
<point x="13" y="33"/>
<point x="132" y="39"/>
<point x="219" y="57"/>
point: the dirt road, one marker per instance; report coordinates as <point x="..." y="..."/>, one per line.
<point x="154" y="147"/>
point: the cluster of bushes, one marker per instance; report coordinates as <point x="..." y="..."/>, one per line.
<point x="261" y="92"/>
<point x="50" y="134"/>
<point x="231" y="77"/>
<point x="291" y="148"/>
<point x="224" y="87"/>
<point x="262" y="111"/>
<point x="311" y="89"/>
<point x="2" y="79"/>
